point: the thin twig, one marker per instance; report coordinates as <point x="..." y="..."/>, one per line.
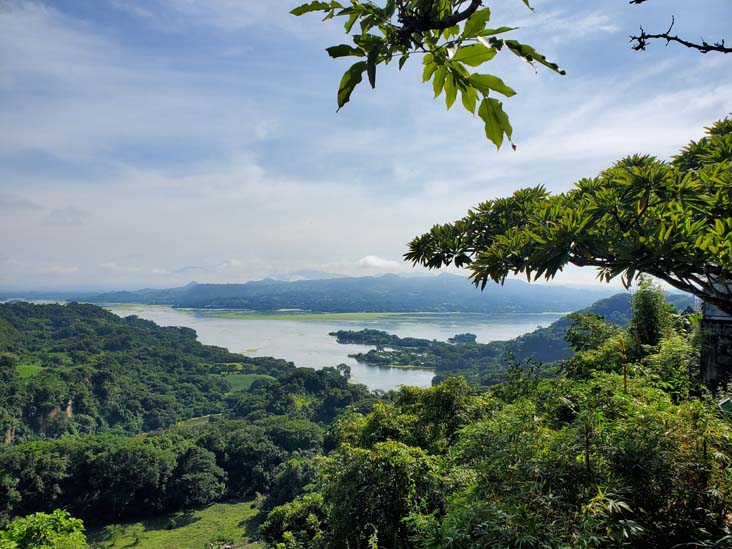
<point x="641" y="40"/>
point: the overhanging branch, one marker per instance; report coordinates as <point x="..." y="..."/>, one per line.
<point x="412" y="24"/>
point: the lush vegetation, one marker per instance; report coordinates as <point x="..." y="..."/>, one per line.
<point x="79" y="369"/>
<point x="57" y="530"/>
<point x="622" y="448"/>
<point x="487" y="364"/>
<point x="616" y="444"/>
<point x="96" y="427"/>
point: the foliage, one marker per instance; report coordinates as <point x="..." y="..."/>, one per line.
<point x="670" y="220"/>
<point x="299" y="523"/>
<point x="451" y="43"/>
<point x="119" y="372"/>
<point x="651" y="316"/>
<point x="198" y="480"/>
<point x="589" y="331"/>
<point x="93" y="372"/>
<point x="56" y="530"/>
<point x="616" y="450"/>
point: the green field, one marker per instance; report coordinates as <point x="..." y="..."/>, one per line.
<point x="28" y="370"/>
<point x="218" y="524"/>
<point x="202" y="420"/>
<point x="242" y="382"/>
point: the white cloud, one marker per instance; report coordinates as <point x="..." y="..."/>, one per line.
<point x="112" y="266"/>
<point x="66" y="216"/>
<point x="97" y="97"/>
<point x="376" y="263"/>
<point x="59" y="269"/>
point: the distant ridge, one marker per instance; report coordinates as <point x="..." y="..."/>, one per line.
<point x="386" y="293"/>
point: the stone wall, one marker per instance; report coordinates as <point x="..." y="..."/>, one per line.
<point x="716" y="353"/>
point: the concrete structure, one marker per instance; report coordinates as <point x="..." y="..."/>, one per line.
<point x="716" y="352"/>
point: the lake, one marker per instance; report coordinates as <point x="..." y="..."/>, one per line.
<point x="303" y="337"/>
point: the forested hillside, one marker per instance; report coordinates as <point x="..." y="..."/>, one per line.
<point x="622" y="447"/>
<point x="388" y="293"/>
<point x="81" y="369"/>
<point x="94" y="411"/>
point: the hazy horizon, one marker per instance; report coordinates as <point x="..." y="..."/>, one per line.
<point x="609" y="289"/>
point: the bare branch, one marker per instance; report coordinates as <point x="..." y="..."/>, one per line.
<point x="641" y="41"/>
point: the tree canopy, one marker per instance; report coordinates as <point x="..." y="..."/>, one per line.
<point x="672" y="220"/>
<point x="452" y="39"/>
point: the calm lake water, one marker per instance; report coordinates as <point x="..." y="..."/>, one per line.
<point x="304" y="340"/>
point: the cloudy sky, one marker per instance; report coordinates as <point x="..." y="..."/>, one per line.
<point x="155" y="142"/>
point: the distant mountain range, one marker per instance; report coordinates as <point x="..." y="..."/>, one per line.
<point x="386" y="293"/>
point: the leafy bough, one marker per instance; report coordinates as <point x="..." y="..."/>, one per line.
<point x="451" y="37"/>
<point x="672" y="220"/>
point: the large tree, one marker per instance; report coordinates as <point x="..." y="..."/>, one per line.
<point x="672" y="220"/>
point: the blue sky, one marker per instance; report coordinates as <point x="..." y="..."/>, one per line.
<point x="150" y="143"/>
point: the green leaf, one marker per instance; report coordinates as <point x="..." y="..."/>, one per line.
<point x="351" y="78"/>
<point x="351" y="21"/>
<point x="487" y="82"/>
<point x="402" y="60"/>
<point x="530" y="55"/>
<point x="469" y="98"/>
<point x="499" y="30"/>
<point x="344" y="50"/>
<point x="389" y="9"/>
<point x="451" y="32"/>
<point x="474" y="54"/>
<point x="429" y="70"/>
<point x="476" y="23"/>
<point x="438" y="81"/>
<point x="450" y="91"/>
<point x="371" y="67"/>
<point x="495" y="119"/>
<point x="312" y="6"/>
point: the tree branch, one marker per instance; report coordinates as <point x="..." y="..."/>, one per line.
<point x="724" y="303"/>
<point x="411" y="24"/>
<point x="641" y="40"/>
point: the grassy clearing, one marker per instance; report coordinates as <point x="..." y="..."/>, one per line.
<point x="202" y="420"/>
<point x="232" y="523"/>
<point x="28" y="370"/>
<point x="242" y="382"/>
